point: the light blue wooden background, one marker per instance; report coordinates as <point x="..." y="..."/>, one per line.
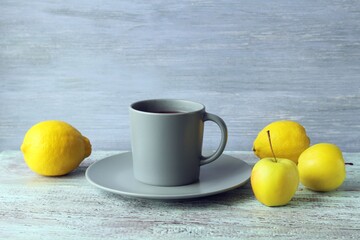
<point x="251" y="62"/>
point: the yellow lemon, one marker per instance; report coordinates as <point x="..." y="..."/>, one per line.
<point x="54" y="148"/>
<point x="322" y="167"/>
<point x="288" y="138"/>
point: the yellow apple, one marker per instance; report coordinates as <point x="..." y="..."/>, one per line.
<point x="274" y="181"/>
<point x="322" y="167"/>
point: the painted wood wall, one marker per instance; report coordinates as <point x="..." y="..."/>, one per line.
<point x="251" y="62"/>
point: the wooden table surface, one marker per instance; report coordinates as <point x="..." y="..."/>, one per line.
<point x="68" y="207"/>
<point x="250" y="61"/>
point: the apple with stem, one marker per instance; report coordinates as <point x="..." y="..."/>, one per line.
<point x="274" y="180"/>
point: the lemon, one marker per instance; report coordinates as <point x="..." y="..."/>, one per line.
<point x="288" y="138"/>
<point x="322" y="167"/>
<point x="54" y="148"/>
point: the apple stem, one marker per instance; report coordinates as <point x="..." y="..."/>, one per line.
<point x="272" y="150"/>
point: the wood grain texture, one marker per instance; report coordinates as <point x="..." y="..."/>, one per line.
<point x="36" y="207"/>
<point x="251" y="62"/>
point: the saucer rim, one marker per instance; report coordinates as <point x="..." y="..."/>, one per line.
<point x="165" y="196"/>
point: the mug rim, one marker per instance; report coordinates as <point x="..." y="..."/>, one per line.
<point x="196" y="107"/>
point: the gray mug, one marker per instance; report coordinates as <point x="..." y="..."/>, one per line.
<point x="166" y="141"/>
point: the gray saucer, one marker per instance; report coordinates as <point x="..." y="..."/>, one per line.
<point x="114" y="174"/>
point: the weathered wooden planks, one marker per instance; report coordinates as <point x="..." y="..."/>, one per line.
<point x="252" y="62"/>
<point x="34" y="207"/>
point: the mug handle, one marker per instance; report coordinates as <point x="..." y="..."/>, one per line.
<point x="224" y="135"/>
